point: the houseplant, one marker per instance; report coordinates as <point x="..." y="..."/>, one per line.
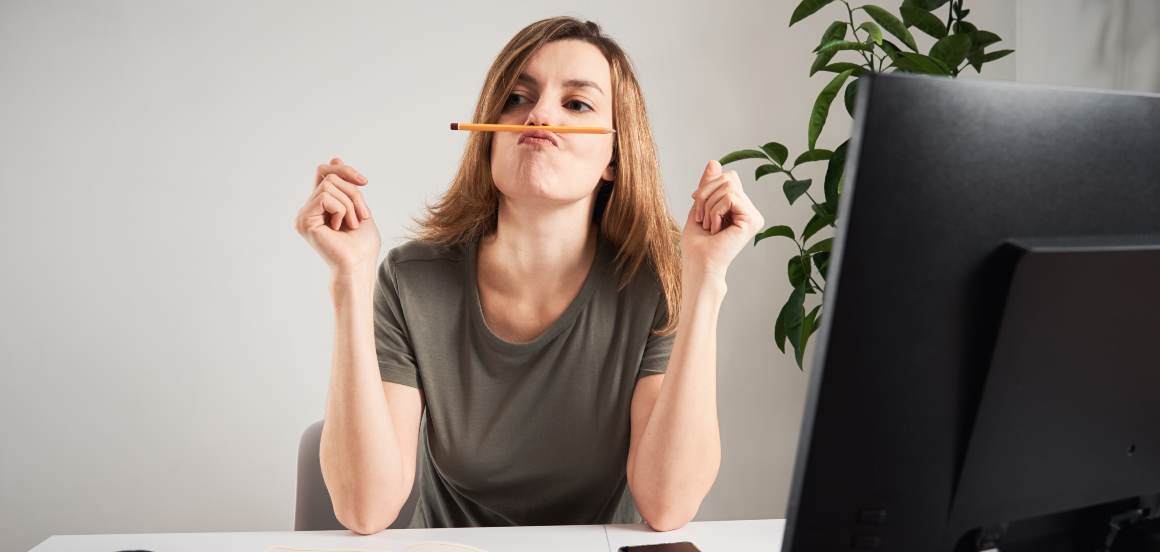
<point x="868" y="46"/>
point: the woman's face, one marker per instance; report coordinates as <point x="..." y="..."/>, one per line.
<point x="566" y="82"/>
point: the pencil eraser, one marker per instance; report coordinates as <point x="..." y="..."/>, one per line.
<point x="454" y="126"/>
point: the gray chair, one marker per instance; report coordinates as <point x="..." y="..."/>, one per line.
<point x="313" y="510"/>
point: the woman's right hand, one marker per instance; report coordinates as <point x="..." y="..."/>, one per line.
<point x="337" y="223"/>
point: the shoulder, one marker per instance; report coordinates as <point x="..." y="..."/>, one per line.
<point x="645" y="289"/>
<point x="412" y="251"/>
<point x="417" y="261"/>
<point x="413" y="255"/>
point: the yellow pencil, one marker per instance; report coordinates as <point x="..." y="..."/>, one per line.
<point x="490" y="127"/>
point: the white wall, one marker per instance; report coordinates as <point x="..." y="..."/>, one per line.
<point x="1111" y="44"/>
<point x="165" y="335"/>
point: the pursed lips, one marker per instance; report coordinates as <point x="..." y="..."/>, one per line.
<point x="537" y="134"/>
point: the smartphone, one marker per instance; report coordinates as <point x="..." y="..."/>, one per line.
<point x="683" y="546"/>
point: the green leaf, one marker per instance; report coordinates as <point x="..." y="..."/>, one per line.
<point x="822" y="262"/>
<point x="780" y="230"/>
<point x="806" y="8"/>
<point x="873" y="30"/>
<point x="790" y="316"/>
<point x="821" y="210"/>
<point x="982" y="39"/>
<point x="923" y="20"/>
<point x="836" y="31"/>
<point x="816" y="223"/>
<point x="822" y="106"/>
<point x="779" y="330"/>
<point x="891" y="50"/>
<point x="834" y="171"/>
<point x="891" y="24"/>
<point x="776" y="152"/>
<point x="809" y="325"/>
<point x="799" y="271"/>
<point x="835" y="46"/>
<point x="927" y="5"/>
<point x="951" y="50"/>
<point x="979" y="41"/>
<point x="964" y="27"/>
<point x="765" y="169"/>
<point x="851" y="93"/>
<point x="975" y="58"/>
<point x="998" y="54"/>
<point x="821" y="246"/>
<point x="796" y="319"/>
<point x="812" y="155"/>
<point x="795" y="188"/>
<point x="742" y="154"/>
<point x="821" y="60"/>
<point x="840" y="66"/>
<point x="813" y="317"/>
<point x="918" y="63"/>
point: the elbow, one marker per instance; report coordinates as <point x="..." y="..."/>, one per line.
<point x="667" y="521"/>
<point x="664" y="515"/>
<point x="364" y="523"/>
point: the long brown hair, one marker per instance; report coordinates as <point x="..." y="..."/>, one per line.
<point x="631" y="210"/>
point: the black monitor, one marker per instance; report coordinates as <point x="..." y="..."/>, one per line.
<point x="986" y="372"/>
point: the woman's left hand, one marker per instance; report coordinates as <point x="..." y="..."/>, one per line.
<point x="721" y="222"/>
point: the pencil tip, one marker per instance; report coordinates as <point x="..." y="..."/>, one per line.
<point x="454" y="126"/>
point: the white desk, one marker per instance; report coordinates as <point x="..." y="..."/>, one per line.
<point x="709" y="536"/>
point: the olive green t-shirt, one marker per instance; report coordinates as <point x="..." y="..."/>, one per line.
<point x="532" y="433"/>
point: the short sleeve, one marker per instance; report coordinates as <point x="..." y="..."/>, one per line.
<point x="657" y="348"/>
<point x="393" y="346"/>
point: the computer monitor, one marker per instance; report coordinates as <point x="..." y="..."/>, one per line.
<point x="986" y="373"/>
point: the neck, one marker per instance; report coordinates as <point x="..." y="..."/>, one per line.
<point x="537" y="243"/>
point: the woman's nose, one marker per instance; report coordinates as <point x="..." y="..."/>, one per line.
<point x="541" y="114"/>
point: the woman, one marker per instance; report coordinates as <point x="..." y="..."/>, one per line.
<point x="535" y="316"/>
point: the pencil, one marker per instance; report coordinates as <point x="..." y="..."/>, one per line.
<point x="489" y="127"/>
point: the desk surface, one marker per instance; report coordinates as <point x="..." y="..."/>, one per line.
<point x="709" y="536"/>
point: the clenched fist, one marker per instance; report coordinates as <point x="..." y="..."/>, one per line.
<point x="336" y="221"/>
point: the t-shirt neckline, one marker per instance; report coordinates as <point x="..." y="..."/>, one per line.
<point x="591" y="280"/>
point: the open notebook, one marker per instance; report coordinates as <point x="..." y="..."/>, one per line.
<point x="426" y="546"/>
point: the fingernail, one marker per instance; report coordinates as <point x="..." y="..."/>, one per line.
<point x="698" y="215"/>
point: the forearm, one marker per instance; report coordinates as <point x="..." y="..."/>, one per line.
<point x="679" y="452"/>
<point x="360" y="458"/>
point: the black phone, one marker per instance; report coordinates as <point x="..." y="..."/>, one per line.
<point x="683" y="546"/>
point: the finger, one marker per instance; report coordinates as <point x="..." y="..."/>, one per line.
<point x="702" y="194"/>
<point x="360" y="206"/>
<point x="722" y="206"/>
<point x="333" y="207"/>
<point x="711" y="203"/>
<point x="724" y="181"/>
<point x="336" y="161"/>
<point x="712" y="169"/>
<point x="348" y="206"/>
<point x="732" y="182"/>
<point x="346" y="172"/>
<point x="333" y="189"/>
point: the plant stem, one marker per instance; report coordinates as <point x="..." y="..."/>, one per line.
<point x="854" y="30"/>
<point x="802" y="253"/>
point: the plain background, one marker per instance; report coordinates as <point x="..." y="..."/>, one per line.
<point x="165" y="334"/>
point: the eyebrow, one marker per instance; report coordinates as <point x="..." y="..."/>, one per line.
<point x="570" y="83"/>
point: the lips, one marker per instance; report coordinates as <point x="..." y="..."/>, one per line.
<point x="538" y="134"/>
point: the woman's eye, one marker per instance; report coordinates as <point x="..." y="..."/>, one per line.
<point x="575" y="105"/>
<point x="513" y="95"/>
<point x="580" y="103"/>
